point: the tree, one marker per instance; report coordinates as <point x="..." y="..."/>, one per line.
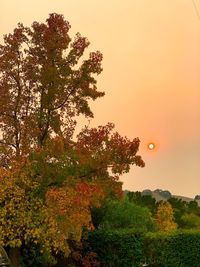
<point x="197" y="197"/>
<point x="165" y="218"/>
<point x="166" y="194"/>
<point x="190" y="221"/>
<point x="121" y="214"/>
<point x="179" y="207"/>
<point x="142" y="200"/>
<point x="193" y="207"/>
<point x="25" y="218"/>
<point x="147" y="192"/>
<point x="44" y="86"/>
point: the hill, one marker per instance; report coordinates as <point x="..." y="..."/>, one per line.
<point x="160" y="194"/>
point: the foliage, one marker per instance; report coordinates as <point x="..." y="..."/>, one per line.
<point x="42" y="87"/>
<point x="186" y="214"/>
<point x="193" y="207"/>
<point x="98" y="213"/>
<point x="31" y="256"/>
<point x="177" y="249"/>
<point x="180" y="207"/>
<point x="117" y="248"/>
<point x="190" y="221"/>
<point x="124" y="214"/>
<point x="142" y="200"/>
<point x="164" y="217"/>
<point x="126" y="248"/>
<point x="49" y="181"/>
<point x="25" y="218"/>
<point x="80" y="255"/>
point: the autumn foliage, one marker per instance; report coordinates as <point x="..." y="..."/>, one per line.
<point x="50" y="180"/>
<point x="164" y="217"/>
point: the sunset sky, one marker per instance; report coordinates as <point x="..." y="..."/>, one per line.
<point x="151" y="78"/>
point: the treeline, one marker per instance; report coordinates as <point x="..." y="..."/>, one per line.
<point x="135" y="230"/>
<point x="186" y="214"/>
<point x="143" y="212"/>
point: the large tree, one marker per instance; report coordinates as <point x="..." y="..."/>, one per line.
<point x="44" y="86"/>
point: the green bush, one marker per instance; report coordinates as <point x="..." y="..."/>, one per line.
<point x="125" y="248"/>
<point x="178" y="249"/>
<point x="119" y="248"/>
<point x="126" y="215"/>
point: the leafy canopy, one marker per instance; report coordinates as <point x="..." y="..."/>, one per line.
<point x="126" y="215"/>
<point x="43" y="84"/>
<point x="49" y="182"/>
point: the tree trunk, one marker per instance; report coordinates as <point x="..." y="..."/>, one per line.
<point x="14" y="255"/>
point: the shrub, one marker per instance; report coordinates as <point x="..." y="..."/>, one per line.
<point x="126" y="215"/>
<point x="118" y="248"/>
<point x="178" y="249"/>
<point x="125" y="248"/>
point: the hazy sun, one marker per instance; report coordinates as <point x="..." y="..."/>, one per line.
<point x="151" y="146"/>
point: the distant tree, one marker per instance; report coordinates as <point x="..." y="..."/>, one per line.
<point x="183" y="210"/>
<point x="197" y="197"/>
<point x="164" y="217"/>
<point x="142" y="200"/>
<point x="158" y="191"/>
<point x="178" y="203"/>
<point x="190" y="221"/>
<point x="193" y="207"/>
<point x="147" y="192"/>
<point x="166" y="194"/>
<point x="134" y="196"/>
<point x="180" y="208"/>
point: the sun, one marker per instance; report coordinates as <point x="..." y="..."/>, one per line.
<point x="151" y="146"/>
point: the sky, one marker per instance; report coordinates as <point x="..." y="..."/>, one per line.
<point x="151" y="78"/>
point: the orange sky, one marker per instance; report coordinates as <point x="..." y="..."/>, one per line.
<point x="151" y="78"/>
